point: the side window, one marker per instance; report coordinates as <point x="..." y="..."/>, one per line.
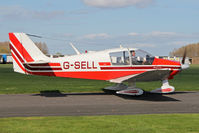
<point x="120" y="58"/>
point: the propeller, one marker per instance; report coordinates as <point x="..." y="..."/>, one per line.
<point x="183" y="64"/>
<point x="184" y="56"/>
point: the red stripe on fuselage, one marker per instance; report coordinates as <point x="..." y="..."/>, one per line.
<point x="20" y="47"/>
<point x="47" y="64"/>
<point x="40" y="68"/>
<point x="139" y="67"/>
<point x="104" y="63"/>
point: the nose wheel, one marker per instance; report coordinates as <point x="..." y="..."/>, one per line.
<point x="165" y="88"/>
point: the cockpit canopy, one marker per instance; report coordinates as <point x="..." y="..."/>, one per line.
<point x="127" y="56"/>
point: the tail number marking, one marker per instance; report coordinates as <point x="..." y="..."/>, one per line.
<point x="80" y="65"/>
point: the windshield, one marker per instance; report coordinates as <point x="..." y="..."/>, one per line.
<point x="141" y="57"/>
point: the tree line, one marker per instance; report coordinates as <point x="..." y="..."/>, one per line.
<point x="192" y="50"/>
<point x="4" y="47"/>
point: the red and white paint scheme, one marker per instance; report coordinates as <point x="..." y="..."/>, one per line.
<point x="114" y="65"/>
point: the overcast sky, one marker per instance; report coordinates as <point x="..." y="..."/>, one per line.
<point x="157" y="26"/>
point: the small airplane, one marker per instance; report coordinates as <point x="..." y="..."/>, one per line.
<point x="116" y="65"/>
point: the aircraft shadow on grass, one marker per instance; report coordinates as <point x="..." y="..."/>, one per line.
<point x="147" y="96"/>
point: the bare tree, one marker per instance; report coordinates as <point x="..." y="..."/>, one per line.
<point x="42" y="46"/>
<point x="4" y="47"/>
<point x="191" y="49"/>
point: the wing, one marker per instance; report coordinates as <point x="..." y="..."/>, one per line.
<point x="153" y="75"/>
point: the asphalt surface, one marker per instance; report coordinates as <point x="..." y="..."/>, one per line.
<point x="76" y="104"/>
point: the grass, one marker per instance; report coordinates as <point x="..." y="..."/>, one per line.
<point x="187" y="80"/>
<point x="14" y="83"/>
<point x="159" y="123"/>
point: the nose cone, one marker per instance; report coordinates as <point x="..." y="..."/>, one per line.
<point x="184" y="66"/>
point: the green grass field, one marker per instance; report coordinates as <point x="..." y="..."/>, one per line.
<point x="164" y="123"/>
<point x="12" y="83"/>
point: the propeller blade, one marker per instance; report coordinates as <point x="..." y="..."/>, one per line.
<point x="184" y="56"/>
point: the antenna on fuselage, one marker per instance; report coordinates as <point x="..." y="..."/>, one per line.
<point x="76" y="50"/>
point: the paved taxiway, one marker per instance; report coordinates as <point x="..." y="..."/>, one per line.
<point x="76" y="104"/>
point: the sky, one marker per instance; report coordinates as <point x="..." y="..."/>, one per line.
<point x="156" y="26"/>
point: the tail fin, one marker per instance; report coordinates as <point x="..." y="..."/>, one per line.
<point x="24" y="51"/>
